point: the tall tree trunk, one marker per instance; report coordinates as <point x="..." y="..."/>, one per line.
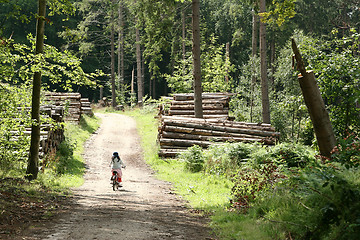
<point x="132" y="80"/>
<point x="142" y="70"/>
<point x="121" y="48"/>
<point x="254" y="42"/>
<point x="272" y="60"/>
<point x="263" y="66"/>
<point x="32" y="168"/>
<point x="151" y="85"/>
<point x="138" y="66"/>
<point x="228" y="60"/>
<point x="255" y="32"/>
<point x="113" y="93"/>
<point x="101" y="92"/>
<point x="319" y="116"/>
<point x="154" y="88"/>
<point x="196" y="58"/>
<point x="183" y="21"/>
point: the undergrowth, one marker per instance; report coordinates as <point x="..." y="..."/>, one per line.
<point x="67" y="168"/>
<point x="258" y="192"/>
<point x="22" y="201"/>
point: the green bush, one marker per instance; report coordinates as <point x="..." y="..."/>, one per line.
<point x="347" y="151"/>
<point x="252" y="182"/>
<point x="193" y="158"/>
<point x="321" y="202"/>
<point x="292" y="155"/>
<point x="227" y="158"/>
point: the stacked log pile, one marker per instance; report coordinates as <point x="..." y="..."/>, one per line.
<point x="50" y="136"/>
<point x="215" y="105"/>
<point x="85" y="107"/>
<point x="178" y="133"/>
<point x="70" y="101"/>
<point x="53" y="136"/>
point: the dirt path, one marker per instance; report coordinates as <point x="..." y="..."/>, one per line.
<point x="144" y="208"/>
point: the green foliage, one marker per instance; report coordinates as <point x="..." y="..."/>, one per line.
<point x="226" y="158"/>
<point x="61" y="7"/>
<point x="338" y="72"/>
<point x="215" y="67"/>
<point x="250" y="183"/>
<point x="181" y="80"/>
<point x="14" y="115"/>
<point x="246" y="105"/>
<point x="281" y="11"/>
<point x="19" y="63"/>
<point x="193" y="158"/>
<point x="155" y="18"/>
<point x="292" y="155"/>
<point x="64" y="157"/>
<point x="320" y="203"/>
<point x="347" y="151"/>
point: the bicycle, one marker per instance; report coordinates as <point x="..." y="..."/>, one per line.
<point x="115" y="180"/>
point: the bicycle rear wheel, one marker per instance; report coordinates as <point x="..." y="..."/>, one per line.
<point x="114" y="184"/>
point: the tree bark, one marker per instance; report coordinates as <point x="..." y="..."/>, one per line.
<point x="319" y="116"/>
<point x="101" y="93"/>
<point x="32" y="168"/>
<point x="196" y="58"/>
<point x="227" y="77"/>
<point x="112" y="42"/>
<point x="132" y="80"/>
<point x="272" y="60"/>
<point x="121" y="48"/>
<point x="138" y="66"/>
<point x="255" y="32"/>
<point x="263" y="66"/>
<point x="183" y="21"/>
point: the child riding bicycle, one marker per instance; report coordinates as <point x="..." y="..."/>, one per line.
<point x="116" y="165"/>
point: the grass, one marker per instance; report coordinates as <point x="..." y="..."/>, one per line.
<point x="231" y="225"/>
<point x="69" y="161"/>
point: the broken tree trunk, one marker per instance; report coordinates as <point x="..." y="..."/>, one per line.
<point x="316" y="107"/>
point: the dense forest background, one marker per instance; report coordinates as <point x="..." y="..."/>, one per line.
<point x="144" y="47"/>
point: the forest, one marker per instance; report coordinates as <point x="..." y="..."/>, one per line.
<point x="140" y="52"/>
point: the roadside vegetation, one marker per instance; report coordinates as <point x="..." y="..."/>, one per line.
<point x="257" y="192"/>
<point x="24" y="204"/>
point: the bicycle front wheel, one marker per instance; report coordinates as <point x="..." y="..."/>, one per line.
<point x="114" y="184"/>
